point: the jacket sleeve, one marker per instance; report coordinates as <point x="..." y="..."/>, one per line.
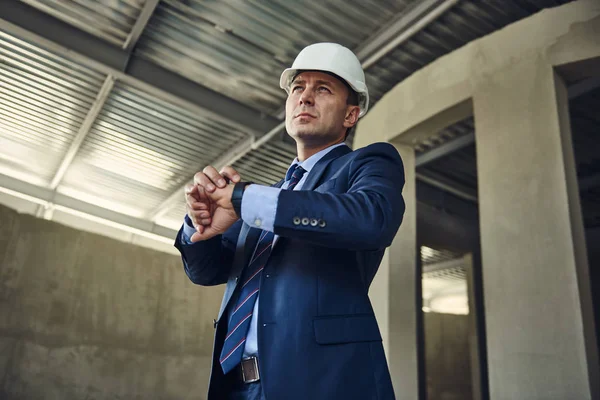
<point x="365" y="217"/>
<point x="209" y="262"/>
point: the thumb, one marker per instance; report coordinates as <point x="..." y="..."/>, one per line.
<point x="207" y="233"/>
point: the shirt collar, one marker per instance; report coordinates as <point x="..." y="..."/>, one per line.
<point x="311" y="161"/>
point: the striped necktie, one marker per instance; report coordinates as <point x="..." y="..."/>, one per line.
<point x="239" y="319"/>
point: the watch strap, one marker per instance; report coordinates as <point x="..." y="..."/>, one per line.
<point x="237" y="195"/>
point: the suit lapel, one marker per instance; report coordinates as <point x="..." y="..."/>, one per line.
<point x="317" y="171"/>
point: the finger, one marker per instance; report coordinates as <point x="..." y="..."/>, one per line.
<point x="230" y="173"/>
<point x="196" y="204"/>
<point x="196" y="237"/>
<point x="204" y="214"/>
<point x="205" y="221"/>
<point x="204" y="198"/>
<point x="202" y="180"/>
<point x="200" y="217"/>
<point x="191" y="190"/>
<point x="214" y="176"/>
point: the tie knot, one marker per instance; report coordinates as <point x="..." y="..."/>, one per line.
<point x="297" y="174"/>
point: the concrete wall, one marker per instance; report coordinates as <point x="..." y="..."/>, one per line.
<point x="447" y="357"/>
<point x="87" y="317"/>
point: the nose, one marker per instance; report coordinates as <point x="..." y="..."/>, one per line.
<point x="306" y="98"/>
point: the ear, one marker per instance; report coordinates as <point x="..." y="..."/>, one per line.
<point x="351" y="117"/>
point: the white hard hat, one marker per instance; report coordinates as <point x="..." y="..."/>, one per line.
<point x="334" y="58"/>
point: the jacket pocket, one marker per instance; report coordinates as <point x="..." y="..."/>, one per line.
<point x="346" y="329"/>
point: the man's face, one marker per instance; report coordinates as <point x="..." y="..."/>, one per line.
<point x="316" y="111"/>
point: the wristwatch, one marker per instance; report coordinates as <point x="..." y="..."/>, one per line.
<point x="236" y="196"/>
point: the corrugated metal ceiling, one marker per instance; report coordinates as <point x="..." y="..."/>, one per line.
<point x="240" y="47"/>
<point x="111" y="20"/>
<point x="140" y="150"/>
<point x="268" y="164"/>
<point x="43" y="101"/>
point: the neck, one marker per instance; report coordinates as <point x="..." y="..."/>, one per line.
<point x="306" y="150"/>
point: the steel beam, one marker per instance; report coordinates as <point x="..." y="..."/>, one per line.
<point x="445" y="149"/>
<point x="44" y="30"/>
<point x="402" y="28"/>
<point x="101" y="98"/>
<point x="392" y="29"/>
<point x="455" y="189"/>
<point x="49" y="198"/>
<point x="140" y="25"/>
<point x="84" y="129"/>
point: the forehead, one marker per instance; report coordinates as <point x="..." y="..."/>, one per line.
<point x="313" y="76"/>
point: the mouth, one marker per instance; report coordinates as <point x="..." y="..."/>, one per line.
<point x="305" y="115"/>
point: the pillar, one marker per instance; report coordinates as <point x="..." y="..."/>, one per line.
<point x="404" y="281"/>
<point x="533" y="249"/>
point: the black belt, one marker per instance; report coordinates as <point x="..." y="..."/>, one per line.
<point x="246" y="371"/>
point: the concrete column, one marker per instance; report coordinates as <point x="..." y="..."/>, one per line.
<point x="404" y="288"/>
<point x="477" y="351"/>
<point x="533" y="251"/>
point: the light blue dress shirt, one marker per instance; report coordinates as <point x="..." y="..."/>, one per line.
<point x="259" y="206"/>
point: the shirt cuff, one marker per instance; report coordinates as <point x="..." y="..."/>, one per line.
<point x="188" y="230"/>
<point x="259" y="205"/>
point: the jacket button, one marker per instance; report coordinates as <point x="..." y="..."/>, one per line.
<point x="296" y="220"/>
<point x="322" y="223"/>
<point x="305" y="221"/>
<point x="314" y="222"/>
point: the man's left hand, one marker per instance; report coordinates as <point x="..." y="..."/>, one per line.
<point x="223" y="215"/>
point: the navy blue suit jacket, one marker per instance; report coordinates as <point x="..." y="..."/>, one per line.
<point x="317" y="333"/>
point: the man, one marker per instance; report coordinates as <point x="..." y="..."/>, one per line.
<point x="298" y="258"/>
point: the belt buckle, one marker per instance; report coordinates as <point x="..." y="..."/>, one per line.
<point x="250" y="370"/>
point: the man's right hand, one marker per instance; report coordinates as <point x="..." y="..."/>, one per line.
<point x="206" y="215"/>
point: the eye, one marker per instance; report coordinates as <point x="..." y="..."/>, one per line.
<point x="295" y="88"/>
<point x="324" y="89"/>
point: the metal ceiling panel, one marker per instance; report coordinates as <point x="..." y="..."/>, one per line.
<point x="43" y="101"/>
<point x="459" y="129"/>
<point x="240" y="48"/>
<point x="467" y="21"/>
<point x="111" y="20"/>
<point x="268" y="164"/>
<point x="140" y="149"/>
<point x="174" y="218"/>
<point x="458" y="167"/>
<point x="430" y="255"/>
